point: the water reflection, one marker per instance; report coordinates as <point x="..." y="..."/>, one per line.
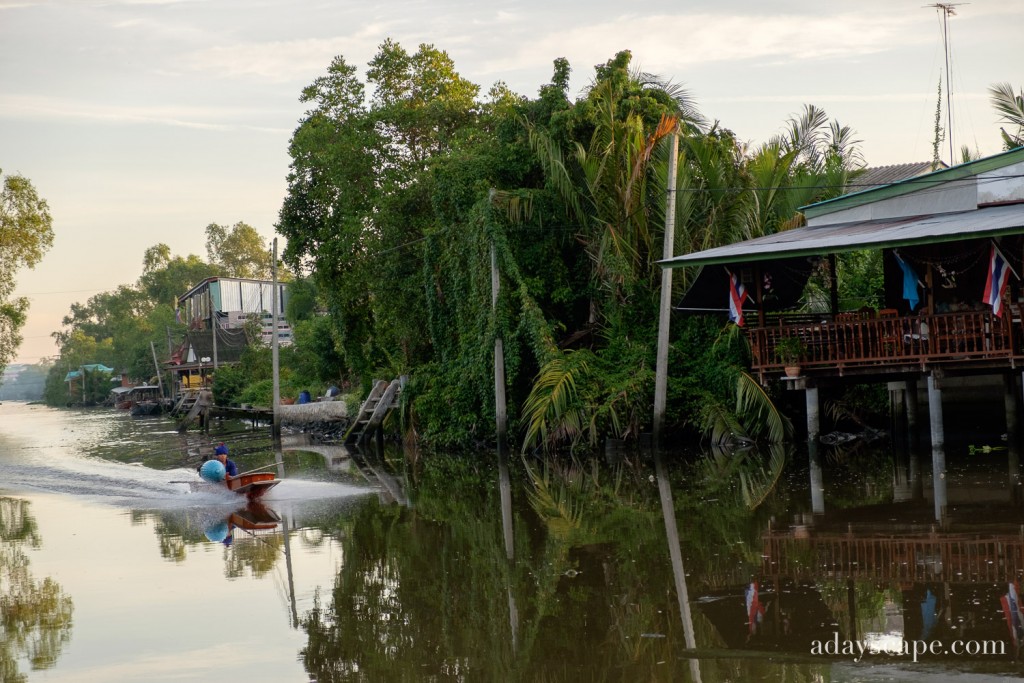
<point x="717" y="566"/>
<point x="35" y="615"/>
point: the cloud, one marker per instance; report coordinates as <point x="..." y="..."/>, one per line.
<point x="54" y="108"/>
<point x="690" y="39"/>
<point x="283" y="61"/>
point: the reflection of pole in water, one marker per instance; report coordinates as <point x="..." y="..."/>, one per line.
<point x="505" y="486"/>
<point x="938" y="446"/>
<point x="1011" y="402"/>
<point x="817" y="479"/>
<point x="279" y="457"/>
<point x="672" y="533"/>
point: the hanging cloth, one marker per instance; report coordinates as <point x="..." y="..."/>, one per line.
<point x="910" y="282"/>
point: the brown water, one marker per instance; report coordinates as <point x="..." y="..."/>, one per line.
<point x="369" y="569"/>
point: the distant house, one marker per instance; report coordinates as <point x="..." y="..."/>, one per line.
<point x="76" y="379"/>
<point x="216" y="312"/>
<point x="231" y="302"/>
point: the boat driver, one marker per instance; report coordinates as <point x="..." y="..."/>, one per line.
<point x="230" y="469"/>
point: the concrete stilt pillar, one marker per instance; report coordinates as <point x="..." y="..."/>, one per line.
<point x="910" y="396"/>
<point x="938" y="446"/>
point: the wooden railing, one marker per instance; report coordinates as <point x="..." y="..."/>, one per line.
<point x="838" y="342"/>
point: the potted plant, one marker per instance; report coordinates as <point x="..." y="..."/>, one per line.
<point x="790" y="350"/>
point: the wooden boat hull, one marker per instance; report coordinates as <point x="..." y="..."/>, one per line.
<point x="253" y="486"/>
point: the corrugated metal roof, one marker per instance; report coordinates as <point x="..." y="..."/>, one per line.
<point x="878" y="176"/>
<point x="876" y="234"/>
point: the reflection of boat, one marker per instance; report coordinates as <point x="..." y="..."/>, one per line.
<point x="255" y="517"/>
<point x="253" y="485"/>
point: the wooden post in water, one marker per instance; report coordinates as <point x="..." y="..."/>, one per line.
<point x="665" y="312"/>
<point x="275" y="430"/>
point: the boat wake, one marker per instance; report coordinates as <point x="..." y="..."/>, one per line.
<point x="133" y="485"/>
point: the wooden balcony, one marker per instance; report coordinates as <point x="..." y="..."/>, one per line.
<point x="877" y="343"/>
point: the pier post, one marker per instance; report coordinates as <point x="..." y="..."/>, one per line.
<point x="938" y="445"/>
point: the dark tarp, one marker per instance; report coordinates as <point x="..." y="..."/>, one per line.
<point x="782" y="284"/>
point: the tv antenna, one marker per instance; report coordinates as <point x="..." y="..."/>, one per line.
<point x="947" y="10"/>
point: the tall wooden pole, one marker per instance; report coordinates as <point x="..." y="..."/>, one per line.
<point x="276" y="429"/>
<point x="500" y="410"/>
<point x="159" y="378"/>
<point x="665" y="313"/>
<point x="213" y="328"/>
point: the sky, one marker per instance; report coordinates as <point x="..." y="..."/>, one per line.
<point x="143" y="121"/>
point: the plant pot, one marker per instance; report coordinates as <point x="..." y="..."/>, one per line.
<point x="792" y="371"/>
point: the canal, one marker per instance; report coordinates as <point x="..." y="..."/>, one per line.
<point x="721" y="565"/>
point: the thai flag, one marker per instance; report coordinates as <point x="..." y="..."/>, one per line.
<point x="737" y="293"/>
<point x="755" y="610"/>
<point x="1012" y="612"/>
<point x="998" y="278"/>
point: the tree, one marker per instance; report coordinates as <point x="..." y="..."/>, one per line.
<point x="359" y="191"/>
<point x="26" y="233"/>
<point x="1010" y="106"/>
<point x="164" y="277"/>
<point x="238" y="251"/>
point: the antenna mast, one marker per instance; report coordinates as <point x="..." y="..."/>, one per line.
<point x="947" y="10"/>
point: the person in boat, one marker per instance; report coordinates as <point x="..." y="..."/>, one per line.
<point x="230" y="469"/>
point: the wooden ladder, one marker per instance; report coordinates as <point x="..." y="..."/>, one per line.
<point x="373" y="411"/>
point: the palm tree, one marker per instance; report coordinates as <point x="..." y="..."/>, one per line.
<point x="1010" y="106"/>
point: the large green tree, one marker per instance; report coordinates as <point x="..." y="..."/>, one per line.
<point x="360" y="192"/>
<point x="26" y="233"/>
<point x="238" y="251"/>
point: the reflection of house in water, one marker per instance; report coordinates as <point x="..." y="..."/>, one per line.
<point x="367" y="462"/>
<point x="889" y="573"/>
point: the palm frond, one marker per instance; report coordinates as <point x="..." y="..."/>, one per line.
<point x="1010" y="106"/>
<point x="559" y="504"/>
<point x="553" y="411"/>
<point x="758" y="483"/>
<point x="721" y="425"/>
<point x="759" y="411"/>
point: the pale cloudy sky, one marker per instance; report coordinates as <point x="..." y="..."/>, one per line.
<point x="141" y="121"/>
